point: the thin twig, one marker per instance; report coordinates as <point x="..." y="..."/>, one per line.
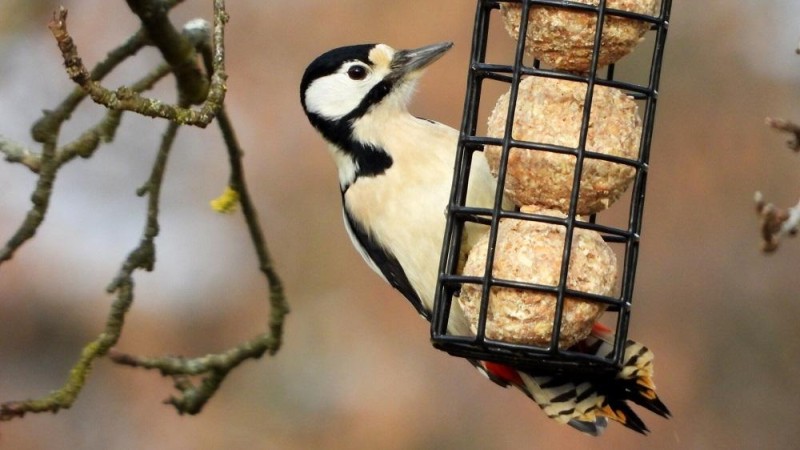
<point x="40" y="197"/>
<point x="63" y="111"/>
<point x="278" y="306"/>
<point x="86" y="144"/>
<point x="142" y="257"/>
<point x="18" y="153"/>
<point x="787" y="127"/>
<point x="116" y="56"/>
<point x="215" y="367"/>
<point x="776" y="222"/>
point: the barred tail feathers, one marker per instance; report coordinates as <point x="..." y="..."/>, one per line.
<point x="586" y="404"/>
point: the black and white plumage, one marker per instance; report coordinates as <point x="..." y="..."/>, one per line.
<point x="394" y="168"/>
<point x="395" y="173"/>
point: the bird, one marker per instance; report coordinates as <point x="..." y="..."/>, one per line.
<point x="395" y="172"/>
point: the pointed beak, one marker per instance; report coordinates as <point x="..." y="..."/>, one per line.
<point x="406" y="62"/>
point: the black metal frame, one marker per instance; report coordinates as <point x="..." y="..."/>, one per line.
<point x="542" y="358"/>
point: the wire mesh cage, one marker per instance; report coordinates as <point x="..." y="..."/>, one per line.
<point x="525" y="283"/>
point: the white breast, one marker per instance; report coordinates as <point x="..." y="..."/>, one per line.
<point x="405" y="207"/>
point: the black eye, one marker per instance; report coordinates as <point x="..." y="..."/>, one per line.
<point x="357" y="72"/>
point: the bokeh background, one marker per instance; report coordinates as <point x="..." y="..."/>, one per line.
<point x="356" y="370"/>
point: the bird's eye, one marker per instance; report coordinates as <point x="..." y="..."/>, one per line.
<point x="357" y="72"/>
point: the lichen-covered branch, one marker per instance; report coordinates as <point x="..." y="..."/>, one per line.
<point x="63" y="111"/>
<point x="64" y="397"/>
<point x="125" y="98"/>
<point x="214" y="368"/>
<point x="194" y="86"/>
<point x="17" y="153"/>
<point x="142" y="257"/>
<point x="84" y="146"/>
<point x="46" y="131"/>
<point x="48" y="167"/>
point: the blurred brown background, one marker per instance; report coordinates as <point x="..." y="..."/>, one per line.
<point x="356" y="371"/>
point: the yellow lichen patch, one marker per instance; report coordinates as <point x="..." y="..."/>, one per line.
<point x="227" y="202"/>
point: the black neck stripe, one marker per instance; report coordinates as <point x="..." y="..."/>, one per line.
<point x="373" y="97"/>
<point x="370" y="161"/>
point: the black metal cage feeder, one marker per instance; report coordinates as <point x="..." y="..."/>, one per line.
<point x="626" y="237"/>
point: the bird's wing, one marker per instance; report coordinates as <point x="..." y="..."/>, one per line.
<point x="383" y="262"/>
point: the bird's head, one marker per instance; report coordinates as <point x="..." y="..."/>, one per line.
<point x="345" y="84"/>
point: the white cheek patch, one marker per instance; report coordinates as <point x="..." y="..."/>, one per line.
<point x="335" y="95"/>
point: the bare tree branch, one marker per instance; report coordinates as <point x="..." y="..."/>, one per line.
<point x="788" y="127"/>
<point x="125" y="98"/>
<point x="777" y="222"/>
<point x="48" y="167"/>
<point x="194" y="86"/>
<point x="177" y="51"/>
<point x="63" y="111"/>
<point x="214" y="367"/>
